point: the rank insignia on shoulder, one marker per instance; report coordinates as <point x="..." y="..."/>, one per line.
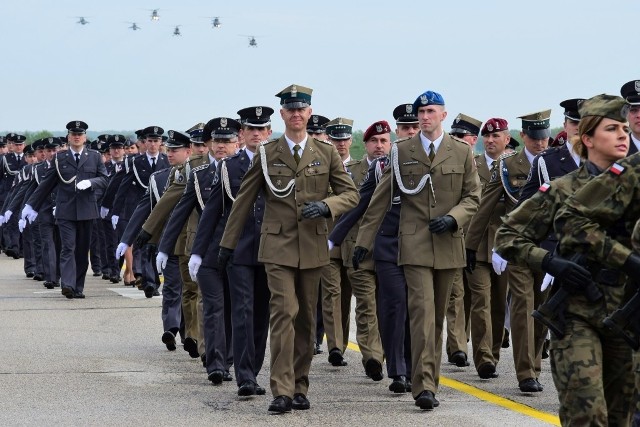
<point x="544" y="187"/>
<point x="616" y="169"/>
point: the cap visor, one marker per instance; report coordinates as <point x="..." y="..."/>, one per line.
<point x="538" y="133"/>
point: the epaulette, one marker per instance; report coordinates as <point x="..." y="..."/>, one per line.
<point x="269" y="141"/>
<point x="352" y="162"/>
<point x="549" y="150"/>
<point x="402" y="139"/>
<point x="95" y="151"/>
<point x="199" y="168"/>
<point x="233" y="156"/>
<point x="161" y="170"/>
<point x="507" y="155"/>
<point x="323" y="141"/>
<point x="475" y="156"/>
<point x="195" y="159"/>
<point x="455" y="138"/>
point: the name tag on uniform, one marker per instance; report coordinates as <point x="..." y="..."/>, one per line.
<point x="279" y="165"/>
<point x="413" y="162"/>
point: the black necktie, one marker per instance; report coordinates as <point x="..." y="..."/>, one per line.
<point x="153" y="164"/>
<point x="77" y="158"/>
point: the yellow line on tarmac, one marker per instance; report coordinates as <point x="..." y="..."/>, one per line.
<point x="490" y="397"/>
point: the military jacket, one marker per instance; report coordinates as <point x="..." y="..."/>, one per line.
<point x="552" y="163"/>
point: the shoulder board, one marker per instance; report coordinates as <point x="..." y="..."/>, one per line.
<point x="549" y="150"/>
<point x="269" y="141"/>
<point x="617" y="169"/>
<point x="322" y="141"/>
<point x="161" y="171"/>
<point x="196" y="160"/>
<point x="455" y="138"/>
<point x="195" y="157"/>
<point x="199" y="168"/>
<point x="402" y="139"/>
<point x="475" y="156"/>
<point x="91" y="150"/>
<point x="352" y="162"/>
<point x="506" y="155"/>
<point x="233" y="155"/>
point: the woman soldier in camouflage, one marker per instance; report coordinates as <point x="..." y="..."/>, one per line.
<point x="591" y="366"/>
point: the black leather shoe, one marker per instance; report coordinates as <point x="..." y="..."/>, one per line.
<point x="260" y="391"/>
<point x="247" y="388"/>
<point x="96" y="274"/>
<point x="191" y="347"/>
<point x="149" y="290"/>
<point x="487" y="371"/>
<point x="67" y="292"/>
<point x="105" y="277"/>
<point x="49" y="285"/>
<point x="113" y="279"/>
<point x="30" y="274"/>
<point x="203" y="357"/>
<point x="399" y="384"/>
<point x="540" y="386"/>
<point x="169" y="340"/>
<point x="426" y="400"/>
<point x="280" y="405"/>
<point x="336" y="359"/>
<point x="459" y="358"/>
<point x="530" y="385"/>
<point x="505" y="339"/>
<point x="156" y="293"/>
<point x="317" y="350"/>
<point x="78" y="295"/>
<point x="226" y="376"/>
<point x="38" y="277"/>
<point x="408" y="386"/>
<point x="216" y="377"/>
<point x="300" y="402"/>
<point x="373" y="369"/>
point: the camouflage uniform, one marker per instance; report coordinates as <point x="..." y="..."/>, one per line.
<point x="590" y="364"/>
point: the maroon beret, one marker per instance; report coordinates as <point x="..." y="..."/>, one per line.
<point x="377" y="128"/>
<point x="494" y="125"/>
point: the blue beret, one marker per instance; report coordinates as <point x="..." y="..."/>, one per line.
<point x="427" y="98"/>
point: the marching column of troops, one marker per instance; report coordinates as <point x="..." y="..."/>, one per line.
<point x="258" y="237"/>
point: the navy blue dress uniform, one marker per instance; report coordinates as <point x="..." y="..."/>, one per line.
<point x="97" y="251"/>
<point x="12" y="163"/>
<point x="392" y="286"/>
<point x="249" y="293"/>
<point x="630" y="91"/>
<point x="75" y="208"/>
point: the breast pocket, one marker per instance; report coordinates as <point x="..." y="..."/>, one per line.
<point x="452" y="177"/>
<point x="280" y="176"/>
<point x="316" y="179"/>
<point x="411" y="175"/>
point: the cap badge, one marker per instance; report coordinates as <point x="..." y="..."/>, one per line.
<point x="409" y="108"/>
<point x="77" y="124"/>
<point x="637" y="85"/>
<point x="490" y="127"/>
<point x="457" y="119"/>
<point x="171" y="134"/>
<point x="378" y="128"/>
<point x="294" y="91"/>
<point x="315" y="120"/>
<point x="223" y="122"/>
<point x="424" y="100"/>
<point x="117" y="138"/>
<point x="258" y="111"/>
<point x="155" y="129"/>
<point x="50" y="140"/>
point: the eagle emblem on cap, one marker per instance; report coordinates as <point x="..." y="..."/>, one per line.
<point x="155" y="129"/>
<point x="171" y="134"/>
<point x="117" y="138"/>
<point x="378" y="128"/>
<point x="223" y="122"/>
<point x="50" y="140"/>
<point x="258" y="111"/>
<point x="315" y="119"/>
<point x="490" y="127"/>
<point x="637" y="85"/>
<point x="457" y="119"/>
<point x="409" y="108"/>
<point x="294" y="91"/>
<point x="424" y="99"/>
<point x="77" y="124"/>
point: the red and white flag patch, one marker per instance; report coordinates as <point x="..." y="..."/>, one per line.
<point x="616" y="169"/>
<point x="544" y="187"/>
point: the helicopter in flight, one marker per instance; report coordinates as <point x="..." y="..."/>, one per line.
<point x="82" y="21"/>
<point x="176" y="30"/>
<point x="252" y="40"/>
<point x="154" y="15"/>
<point x="215" y="22"/>
<point x="134" y="26"/>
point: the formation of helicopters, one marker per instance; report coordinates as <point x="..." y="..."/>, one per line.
<point x="155" y="17"/>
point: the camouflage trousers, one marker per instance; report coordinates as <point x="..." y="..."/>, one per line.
<point x="636" y="392"/>
<point x="592" y="372"/>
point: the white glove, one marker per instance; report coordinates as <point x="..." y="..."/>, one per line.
<point x="161" y="261"/>
<point x="547" y="281"/>
<point x="2" y="219"/>
<point x="28" y="213"/>
<point x="330" y="244"/>
<point x="194" y="265"/>
<point x="83" y="185"/>
<point x="22" y="223"/>
<point x="499" y="263"/>
<point x="103" y="212"/>
<point x="114" y="221"/>
<point x="7" y="216"/>
<point x="53" y="211"/>
<point x="121" y="249"/>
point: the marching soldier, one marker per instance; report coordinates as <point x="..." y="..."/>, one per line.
<point x="439" y="191"/>
<point x="631" y="92"/>
<point x="77" y="173"/>
<point x="295" y="173"/>
<point x="12" y="163"/>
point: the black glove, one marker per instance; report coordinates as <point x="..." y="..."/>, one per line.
<point x="569" y="272"/>
<point x="142" y="239"/>
<point x="224" y="256"/>
<point x="631" y="266"/>
<point x="442" y="223"/>
<point x="471" y="260"/>
<point x="315" y="210"/>
<point x="358" y="256"/>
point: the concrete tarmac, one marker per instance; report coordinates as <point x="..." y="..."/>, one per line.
<point x="100" y="361"/>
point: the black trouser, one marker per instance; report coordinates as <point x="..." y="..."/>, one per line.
<point x="75" y="239"/>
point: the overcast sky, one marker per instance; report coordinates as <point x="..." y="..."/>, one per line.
<point x="499" y="58"/>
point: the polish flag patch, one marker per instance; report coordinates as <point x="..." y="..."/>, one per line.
<point x="544" y="187"/>
<point x="616" y="169"/>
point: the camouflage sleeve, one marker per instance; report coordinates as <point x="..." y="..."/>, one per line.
<point x="635" y="237"/>
<point x="524" y="228"/>
<point x="583" y="220"/>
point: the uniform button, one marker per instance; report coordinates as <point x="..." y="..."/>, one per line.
<point x="298" y="174"/>
<point x="299" y="204"/>
<point x="297" y="189"/>
<point x="433" y="206"/>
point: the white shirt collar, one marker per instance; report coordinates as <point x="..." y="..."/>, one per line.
<point x="348" y="159"/>
<point x="574" y="155"/>
<point x="302" y="145"/>
<point x="489" y="160"/>
<point x="73" y="152"/>
<point x="426" y="142"/>
<point x="530" y="156"/>
<point x="249" y="154"/>
<point x="212" y="159"/>
<point x="155" y="157"/>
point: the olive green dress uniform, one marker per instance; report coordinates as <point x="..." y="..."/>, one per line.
<point x="430" y="261"/>
<point x="154" y="226"/>
<point x="292" y="248"/>
<point x="363" y="280"/>
<point x="591" y="365"/>
<point x="488" y="290"/>
<point x="506" y="182"/>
